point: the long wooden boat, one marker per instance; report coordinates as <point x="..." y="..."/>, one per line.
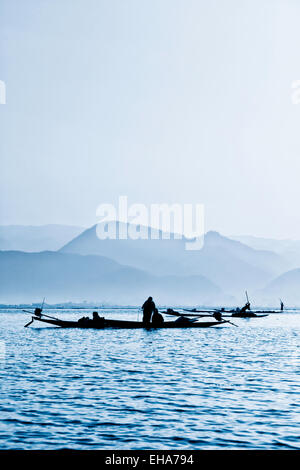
<point x="125" y="324"/>
<point x="236" y="314"/>
<point x="248" y="315"/>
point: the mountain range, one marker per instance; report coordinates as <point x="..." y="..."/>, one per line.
<point x="28" y="277"/>
<point x="230" y="264"/>
<point x="287" y="249"/>
<point x="36" y="238"/>
<point x="81" y="266"/>
<point x="287" y="285"/>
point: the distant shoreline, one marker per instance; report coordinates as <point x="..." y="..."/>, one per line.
<point x="69" y="306"/>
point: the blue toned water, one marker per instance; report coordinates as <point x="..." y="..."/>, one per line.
<point x="218" y="388"/>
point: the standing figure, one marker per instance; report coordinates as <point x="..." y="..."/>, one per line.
<point x="148" y="308"/>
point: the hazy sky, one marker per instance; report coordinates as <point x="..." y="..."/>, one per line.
<point x="161" y="100"/>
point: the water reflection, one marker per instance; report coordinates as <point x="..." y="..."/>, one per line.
<point x="208" y="389"/>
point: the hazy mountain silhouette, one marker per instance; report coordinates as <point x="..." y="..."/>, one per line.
<point x="127" y="270"/>
<point x="28" y="277"/>
<point x="36" y="238"/>
<point x="230" y="264"/>
<point x="157" y="256"/>
<point x="289" y="250"/>
<point x="285" y="286"/>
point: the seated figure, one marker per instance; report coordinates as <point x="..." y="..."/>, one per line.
<point x="157" y="318"/>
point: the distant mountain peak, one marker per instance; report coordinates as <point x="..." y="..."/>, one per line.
<point x="213" y="234"/>
<point x="215" y="238"/>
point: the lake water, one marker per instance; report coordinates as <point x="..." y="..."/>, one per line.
<point x="215" y="388"/>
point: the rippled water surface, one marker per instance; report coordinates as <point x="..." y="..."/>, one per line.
<point x="216" y="388"/>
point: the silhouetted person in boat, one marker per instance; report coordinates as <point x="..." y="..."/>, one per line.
<point x="38" y="312"/>
<point x="148" y="308"/>
<point x="96" y="317"/>
<point x="184" y="320"/>
<point x="218" y="316"/>
<point x="281" y="305"/>
<point x="245" y="308"/>
<point x="86" y="321"/>
<point x="157" y="318"/>
<point x="99" y="321"/>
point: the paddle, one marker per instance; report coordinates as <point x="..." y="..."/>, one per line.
<point x="228" y="321"/>
<point x="42" y="315"/>
<point x="29" y="323"/>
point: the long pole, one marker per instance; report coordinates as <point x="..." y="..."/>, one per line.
<point x="42" y="314"/>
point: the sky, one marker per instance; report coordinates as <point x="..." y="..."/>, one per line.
<point x="162" y="101"/>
